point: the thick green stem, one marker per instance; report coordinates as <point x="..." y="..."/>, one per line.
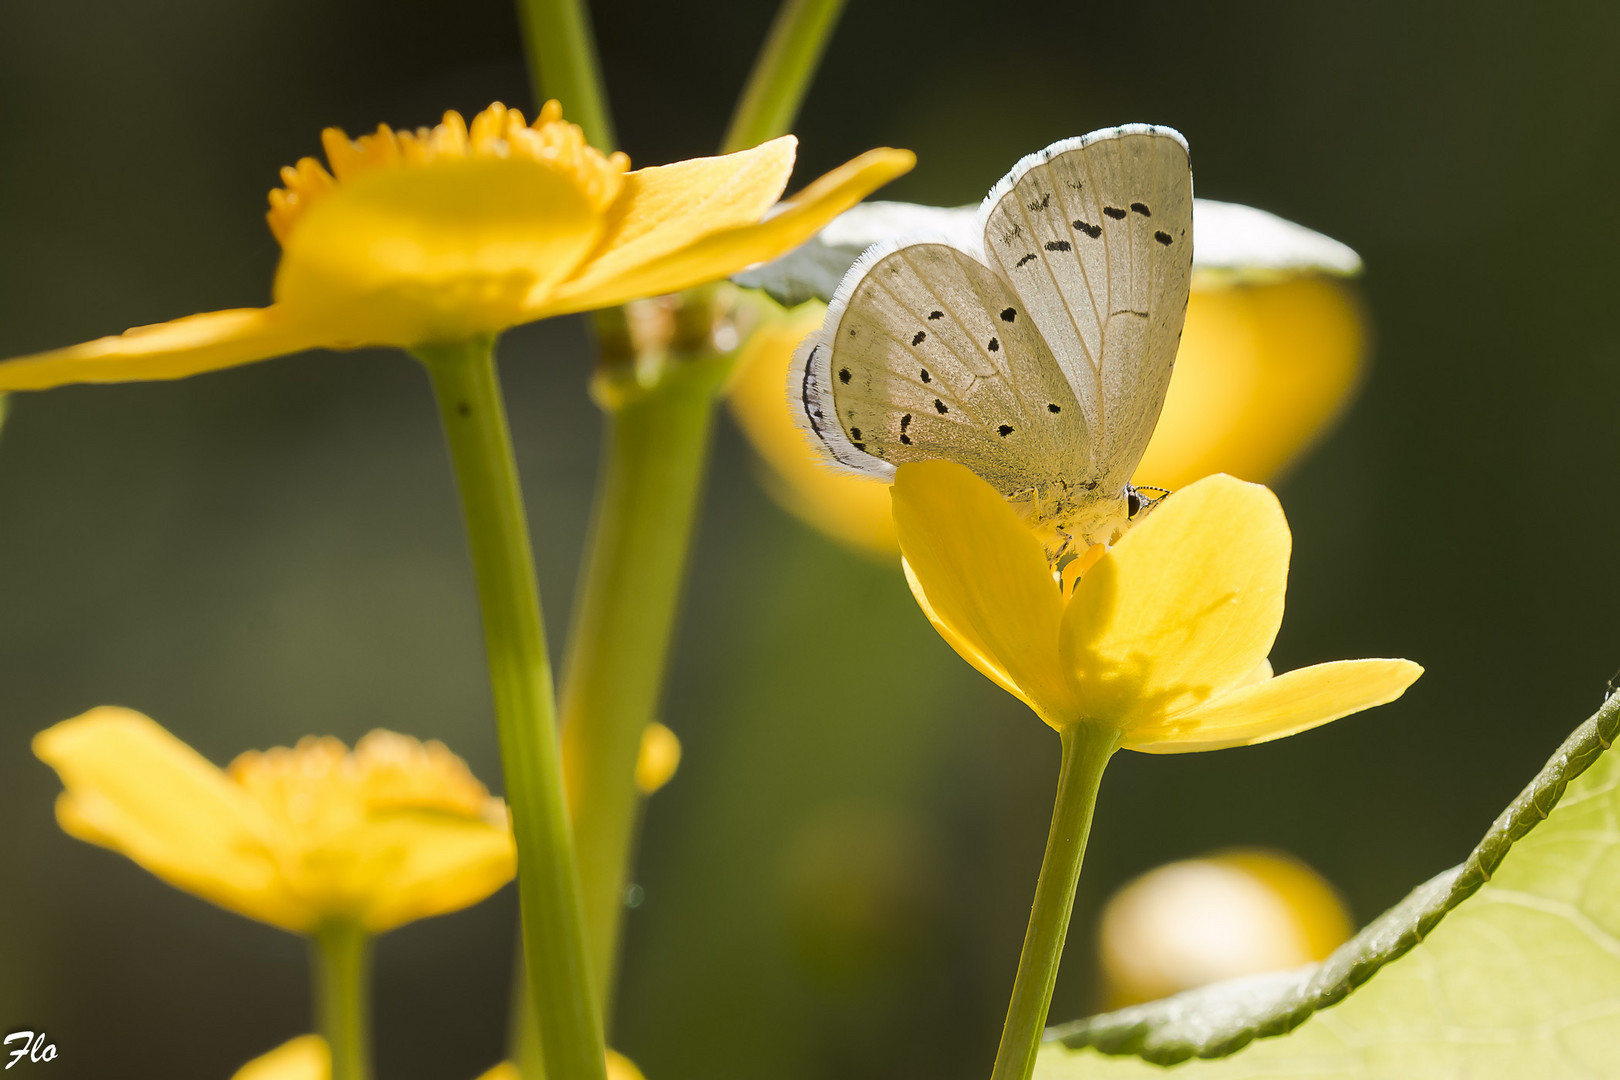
<point x="340" y="957"/>
<point x="782" y="72"/>
<point x="646" y="502"/>
<point x="474" y="416"/>
<point x="561" y="51"/>
<point x="1086" y="750"/>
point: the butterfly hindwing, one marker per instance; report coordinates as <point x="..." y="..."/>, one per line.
<point x="926" y="354"/>
<point x="1094" y="236"/>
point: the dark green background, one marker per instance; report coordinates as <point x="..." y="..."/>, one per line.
<point x="836" y="881"/>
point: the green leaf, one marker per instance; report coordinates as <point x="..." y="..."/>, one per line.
<point x="1506" y="966"/>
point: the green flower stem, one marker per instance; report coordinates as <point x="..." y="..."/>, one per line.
<point x="782" y="72"/>
<point x="561" y="51"/>
<point x="474" y="415"/>
<point x="641" y="532"/>
<point x="340" y="957"/>
<point x="1086" y="750"/>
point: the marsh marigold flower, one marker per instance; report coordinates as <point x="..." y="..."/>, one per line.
<point x="1162" y="637"/>
<point x="307" y="1058"/>
<point x="392" y="831"/>
<point x="1270" y="355"/>
<point x="442" y="234"/>
<point x="1226" y="915"/>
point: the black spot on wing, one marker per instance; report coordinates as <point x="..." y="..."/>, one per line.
<point x="994" y="346"/>
<point x="1090" y="230"/>
<point x="905" y="421"/>
<point x="1057" y="245"/>
<point x="1141" y="208"/>
<point x="1114" y="212"/>
<point x="917" y="339"/>
<point x="1004" y="430"/>
<point x="859" y="445"/>
<point x="844" y="376"/>
<point x="927" y="378"/>
<point x="936" y="315"/>
<point x="1027" y="258"/>
<point x="1162" y="237"/>
<point x="1009" y="314"/>
<point x="854" y="433"/>
<point x="939" y="407"/>
<point x="1054" y="408"/>
<point x="905" y="440"/>
<point x="1041" y="204"/>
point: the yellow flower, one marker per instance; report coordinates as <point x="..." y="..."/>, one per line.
<point x="442" y="234"/>
<point x="619" y="1067"/>
<point x="1269" y="358"/>
<point x="1226" y="915"/>
<point x="1163" y="637"/>
<point x="307" y="1058"/>
<point x="1263" y="370"/>
<point x="303" y="1058"/>
<point x="657" y="759"/>
<point x="393" y="831"/>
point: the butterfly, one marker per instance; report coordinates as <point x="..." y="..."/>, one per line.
<point x="1035" y="349"/>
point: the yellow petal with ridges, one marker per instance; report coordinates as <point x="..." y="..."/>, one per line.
<point x="1183" y="607"/>
<point x="171" y="350"/>
<point x="983" y="579"/>
<point x="1292" y="702"/>
<point x="303" y="1058"/>
<point x="719" y="254"/>
<point x="665" y="208"/>
<point x="414" y="256"/>
<point x="134" y="788"/>
<point x="412" y="865"/>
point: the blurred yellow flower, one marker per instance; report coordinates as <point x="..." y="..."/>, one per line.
<point x="1263" y="370"/>
<point x="1268" y="360"/>
<point x="1199" y="921"/>
<point x="1163" y="637"/>
<point x="307" y="1058"/>
<point x="394" y="831"/>
<point x="619" y="1067"/>
<point x="303" y="1058"/>
<point x="443" y="234"/>
<point x="658" y="758"/>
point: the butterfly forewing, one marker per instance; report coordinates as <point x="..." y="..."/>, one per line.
<point x="930" y="359"/>
<point x="1094" y="236"/>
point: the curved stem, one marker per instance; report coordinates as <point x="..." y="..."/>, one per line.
<point x="562" y="60"/>
<point x="341" y="962"/>
<point x="641" y="533"/>
<point x="782" y="73"/>
<point x="474" y="416"/>
<point x="1086" y="750"/>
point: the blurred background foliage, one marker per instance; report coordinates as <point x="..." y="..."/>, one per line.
<point x="837" y="881"/>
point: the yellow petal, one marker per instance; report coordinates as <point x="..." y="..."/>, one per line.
<point x="1292" y="702"/>
<point x="1261" y="373"/>
<point x="303" y="1058"/>
<point x="134" y="788"/>
<point x="1183" y="607"/>
<point x="171" y="350"/>
<point x="983" y="580"/>
<point x="718" y="254"/>
<point x="854" y="509"/>
<point x="412" y="256"/>
<point x="659" y="757"/>
<point x="662" y="209"/>
<point x="619" y="1067"/>
<point x="410" y="865"/>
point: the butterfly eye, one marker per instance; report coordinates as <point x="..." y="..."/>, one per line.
<point x="1133" y="504"/>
